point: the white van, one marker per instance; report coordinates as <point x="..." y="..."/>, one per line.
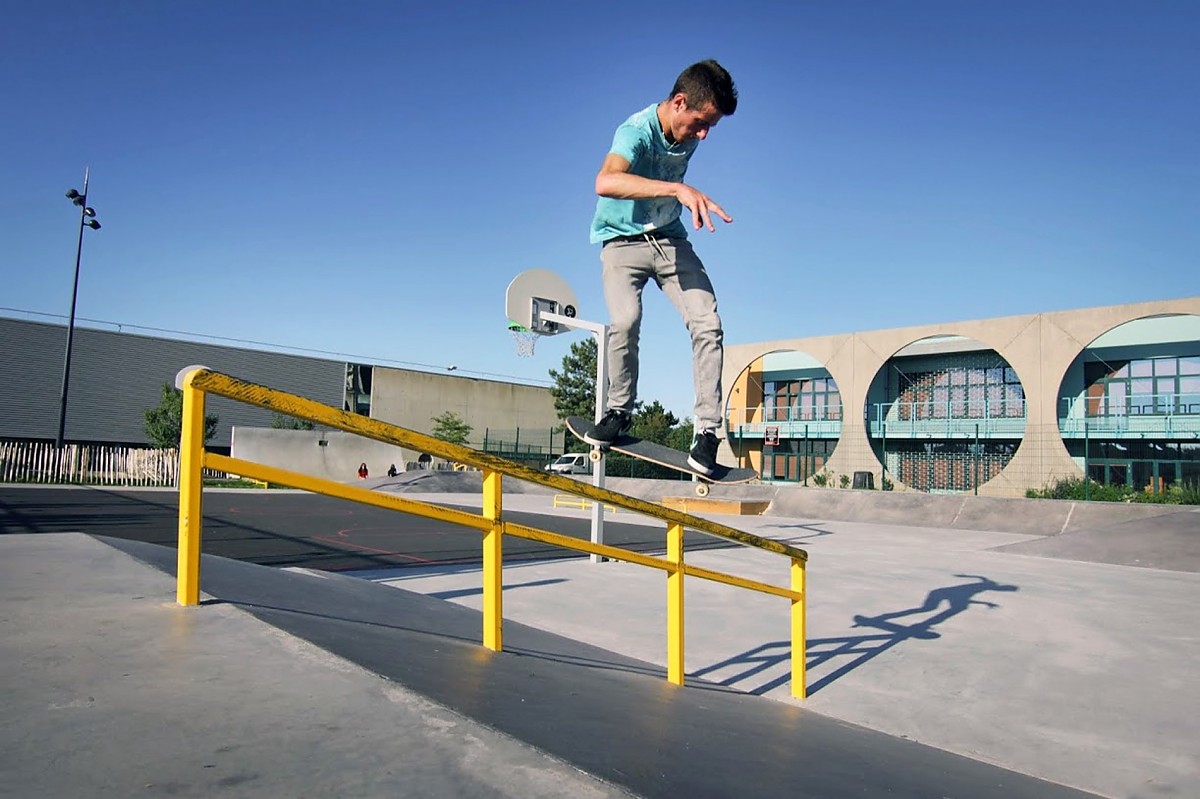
<point x="571" y="463"/>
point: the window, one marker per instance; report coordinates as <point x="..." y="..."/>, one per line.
<point x="1149" y="386"/>
<point x="971" y="391"/>
<point x="812" y="400"/>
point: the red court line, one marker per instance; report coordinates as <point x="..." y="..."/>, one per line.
<point x="259" y="512"/>
<point x="344" y="543"/>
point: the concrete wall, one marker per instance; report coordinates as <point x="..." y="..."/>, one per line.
<point x="301" y="451"/>
<point x="411" y="399"/>
<point x="1040" y="347"/>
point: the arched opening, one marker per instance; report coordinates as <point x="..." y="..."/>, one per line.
<point x="945" y="414"/>
<point x="784" y="417"/>
<point x="1129" y="405"/>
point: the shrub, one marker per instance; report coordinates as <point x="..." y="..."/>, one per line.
<point x="1074" y="488"/>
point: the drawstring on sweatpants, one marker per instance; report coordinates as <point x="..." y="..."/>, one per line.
<point x="658" y="248"/>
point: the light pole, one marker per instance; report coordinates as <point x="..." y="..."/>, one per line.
<point x="87" y="218"/>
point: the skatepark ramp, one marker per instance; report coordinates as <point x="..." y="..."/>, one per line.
<point x="197" y="381"/>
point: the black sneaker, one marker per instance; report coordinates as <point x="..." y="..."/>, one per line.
<point x="703" y="457"/>
<point x="612" y="426"/>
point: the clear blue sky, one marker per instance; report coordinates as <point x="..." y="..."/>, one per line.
<point x="366" y="177"/>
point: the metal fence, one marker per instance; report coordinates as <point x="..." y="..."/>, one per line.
<point x="531" y="446"/>
<point x="87" y="464"/>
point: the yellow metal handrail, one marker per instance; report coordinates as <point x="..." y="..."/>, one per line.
<point x="193" y="459"/>
<point x="579" y="503"/>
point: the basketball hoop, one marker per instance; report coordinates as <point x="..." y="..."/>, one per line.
<point x="526" y="339"/>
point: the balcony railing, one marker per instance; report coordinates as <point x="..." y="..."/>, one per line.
<point x="1131" y="416"/>
<point x="947" y="419"/>
<point x="789" y="422"/>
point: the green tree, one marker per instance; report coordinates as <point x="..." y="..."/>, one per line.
<point x="574" y="388"/>
<point x="574" y="393"/>
<point x="681" y="435"/>
<point x="164" y="424"/>
<point x="655" y="423"/>
<point x="449" y="426"/>
<point x="281" y="421"/>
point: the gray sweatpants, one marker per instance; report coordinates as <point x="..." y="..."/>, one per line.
<point x="674" y="266"/>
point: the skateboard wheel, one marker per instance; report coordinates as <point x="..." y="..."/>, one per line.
<point x="594" y="455"/>
<point x="702" y="489"/>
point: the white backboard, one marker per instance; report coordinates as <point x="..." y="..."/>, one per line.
<point x="534" y="292"/>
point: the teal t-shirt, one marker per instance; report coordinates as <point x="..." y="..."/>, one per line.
<point x="640" y="141"/>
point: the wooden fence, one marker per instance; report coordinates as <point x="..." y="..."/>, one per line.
<point x="40" y="462"/>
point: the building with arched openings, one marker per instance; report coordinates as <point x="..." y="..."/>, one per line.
<point x="992" y="407"/>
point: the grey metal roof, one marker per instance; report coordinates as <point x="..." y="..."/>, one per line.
<point x="116" y="377"/>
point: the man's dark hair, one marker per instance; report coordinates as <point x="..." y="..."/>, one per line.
<point x="707" y="82"/>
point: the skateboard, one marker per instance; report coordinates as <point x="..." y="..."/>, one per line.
<point x="661" y="455"/>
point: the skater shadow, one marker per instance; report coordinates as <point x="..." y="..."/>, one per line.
<point x="847" y="653"/>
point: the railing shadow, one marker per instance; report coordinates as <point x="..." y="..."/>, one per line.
<point x="939" y="605"/>
<point x="812" y="531"/>
<point x="478" y="591"/>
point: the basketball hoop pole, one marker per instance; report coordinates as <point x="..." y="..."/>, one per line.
<point x="601" y="333"/>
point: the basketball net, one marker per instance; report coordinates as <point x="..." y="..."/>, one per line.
<point x="526" y="339"/>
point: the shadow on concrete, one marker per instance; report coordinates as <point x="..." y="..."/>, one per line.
<point x="798" y="526"/>
<point x="606" y="714"/>
<point x="295" y="529"/>
<point x="461" y="592"/>
<point x="853" y="651"/>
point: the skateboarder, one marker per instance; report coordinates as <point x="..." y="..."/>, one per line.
<point x="637" y="222"/>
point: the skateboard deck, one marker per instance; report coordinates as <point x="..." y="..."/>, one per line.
<point x="662" y="455"/>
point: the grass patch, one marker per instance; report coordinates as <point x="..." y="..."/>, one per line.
<point x="243" y="483"/>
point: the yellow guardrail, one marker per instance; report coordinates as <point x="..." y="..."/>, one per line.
<point x="579" y="503"/>
<point x="198" y="382"/>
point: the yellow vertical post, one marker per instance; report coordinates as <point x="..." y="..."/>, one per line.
<point x="493" y="554"/>
<point x="799" y="632"/>
<point x="675" y="604"/>
<point x="191" y="463"/>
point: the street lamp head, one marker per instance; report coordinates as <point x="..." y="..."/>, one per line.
<point x="93" y="224"/>
<point x="78" y="200"/>
<point x="72" y="194"/>
<point x="89" y="211"/>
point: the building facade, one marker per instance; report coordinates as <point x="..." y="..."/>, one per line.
<point x="116" y="376"/>
<point x="992" y="407"/>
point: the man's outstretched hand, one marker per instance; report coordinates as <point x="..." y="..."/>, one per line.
<point x="702" y="206"/>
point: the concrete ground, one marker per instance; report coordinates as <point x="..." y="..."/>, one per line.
<point x="1012" y="649"/>
<point x="111" y="689"/>
<point x="314" y="684"/>
<point x="1077" y="672"/>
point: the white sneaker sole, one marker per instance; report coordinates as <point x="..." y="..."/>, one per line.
<point x="704" y="470"/>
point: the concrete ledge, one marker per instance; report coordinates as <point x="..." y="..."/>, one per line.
<point x="655" y="490"/>
<point x="906" y="508"/>
<point x="956" y="512"/>
<point x="737" y="507"/>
